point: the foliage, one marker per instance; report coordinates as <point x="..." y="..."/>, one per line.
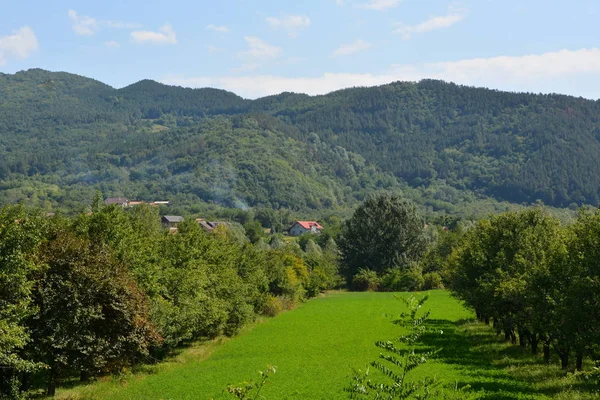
<point x="453" y="149"/>
<point x="535" y="279"/>
<point x="106" y="291"/>
<point x="92" y="318"/>
<point x="21" y="234"/>
<point x="432" y="280"/>
<point x="395" y="280"/>
<point x="273" y="306"/>
<point x="384" y="232"/>
<point x="365" y="280"/>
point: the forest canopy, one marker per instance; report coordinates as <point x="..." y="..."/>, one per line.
<point x="64" y="136"/>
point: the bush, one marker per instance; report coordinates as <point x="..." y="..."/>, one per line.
<point x="411" y="281"/>
<point x="240" y="314"/>
<point x="317" y="282"/>
<point x="432" y="280"/>
<point x="365" y="280"/>
<point x="390" y="281"/>
<point x="396" y="280"/>
<point x="273" y="306"/>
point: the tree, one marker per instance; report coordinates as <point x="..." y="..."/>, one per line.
<point x="515" y="268"/>
<point x="20" y="235"/>
<point x="584" y="297"/>
<point x="385" y="231"/>
<point x="91" y="316"/>
<point x="254" y="231"/>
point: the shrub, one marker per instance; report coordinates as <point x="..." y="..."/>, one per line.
<point x="317" y="282"/>
<point x="390" y="281"/>
<point x="396" y="280"/>
<point x="240" y="314"/>
<point x="411" y="280"/>
<point x="273" y="306"/>
<point x="365" y="280"/>
<point x="432" y="280"/>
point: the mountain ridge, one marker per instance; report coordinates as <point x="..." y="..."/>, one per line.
<point x="427" y="136"/>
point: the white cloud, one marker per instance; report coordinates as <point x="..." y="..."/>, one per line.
<point x="165" y="35"/>
<point x="83" y="25"/>
<point x="258" y="48"/>
<point x="112" y="43"/>
<point x="86" y="26"/>
<point x="257" y="53"/>
<point x="19" y="45"/>
<point x="536" y="73"/>
<point x="351" y="48"/>
<point x="339" y="2"/>
<point x="379" y="4"/>
<point x="217" y="28"/>
<point x="292" y="24"/>
<point x="431" y="24"/>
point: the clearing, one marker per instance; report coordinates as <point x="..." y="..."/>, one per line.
<point x="316" y="346"/>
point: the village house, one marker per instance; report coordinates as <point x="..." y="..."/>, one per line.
<point x="302" y="227"/>
<point x="209" y="226"/>
<point x="124" y="202"/>
<point x="119" y="201"/>
<point x="171" y="221"/>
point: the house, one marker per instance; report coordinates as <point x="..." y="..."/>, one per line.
<point x="302" y="227"/>
<point x="171" y="221"/>
<point x="209" y="226"/>
<point x="159" y="203"/>
<point x="119" y="201"/>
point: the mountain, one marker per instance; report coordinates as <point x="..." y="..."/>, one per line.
<point x="63" y="136"/>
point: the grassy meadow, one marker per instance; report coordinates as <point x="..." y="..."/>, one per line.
<point x="316" y="346"/>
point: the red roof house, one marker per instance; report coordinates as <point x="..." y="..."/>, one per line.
<point x="302" y="227"/>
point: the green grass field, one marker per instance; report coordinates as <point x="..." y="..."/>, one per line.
<point x="316" y="346"/>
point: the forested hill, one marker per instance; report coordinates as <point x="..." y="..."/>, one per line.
<point x="62" y="136"/>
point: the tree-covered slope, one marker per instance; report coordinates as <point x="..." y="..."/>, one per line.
<point x="514" y="146"/>
<point x="62" y="136"/>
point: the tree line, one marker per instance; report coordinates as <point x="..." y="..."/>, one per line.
<point x="535" y="280"/>
<point x="100" y="292"/>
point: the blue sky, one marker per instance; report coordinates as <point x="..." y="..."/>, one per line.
<point x="261" y="47"/>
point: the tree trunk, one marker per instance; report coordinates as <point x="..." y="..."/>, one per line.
<point x="506" y="335"/>
<point x="579" y="360"/>
<point x="51" y="388"/>
<point x="534" y="344"/>
<point x="84" y="376"/>
<point x="564" y="359"/>
<point x="547" y="352"/>
<point x="523" y="339"/>
<point x="487" y="320"/>
<point x="513" y="337"/>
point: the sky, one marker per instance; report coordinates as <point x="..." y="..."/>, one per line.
<point x="261" y="47"/>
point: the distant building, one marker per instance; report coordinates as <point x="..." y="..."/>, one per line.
<point x="159" y="203"/>
<point x="171" y="221"/>
<point x="302" y="227"/>
<point x="209" y="226"/>
<point x="119" y="201"/>
<point x="123" y="202"/>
